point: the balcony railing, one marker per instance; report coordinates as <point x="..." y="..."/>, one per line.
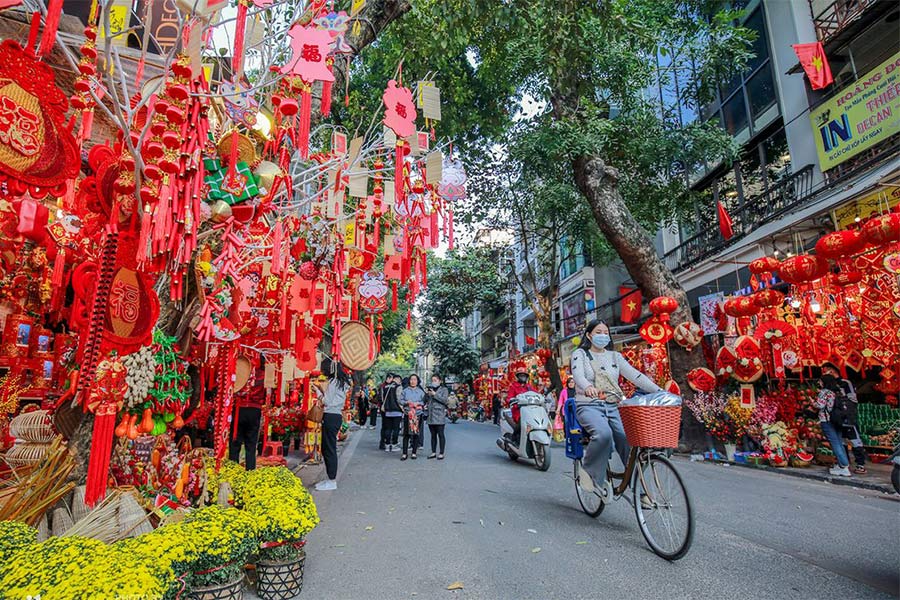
<point x="753" y="212"/>
<point x="830" y="18"/>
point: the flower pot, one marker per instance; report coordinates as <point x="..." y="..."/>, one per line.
<point x="280" y="580"/>
<point x="729" y="451"/>
<point x="232" y="590"/>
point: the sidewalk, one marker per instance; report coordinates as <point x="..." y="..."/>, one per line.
<point x="878" y="478"/>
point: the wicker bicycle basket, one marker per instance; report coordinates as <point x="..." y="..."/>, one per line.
<point x="651" y="426"/>
<point x="280" y="580"/>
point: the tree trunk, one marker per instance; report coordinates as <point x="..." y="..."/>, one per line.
<point x="599" y="184"/>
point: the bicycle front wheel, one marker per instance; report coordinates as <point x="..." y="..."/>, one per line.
<point x="663" y="507"/>
<point x="590" y="501"/>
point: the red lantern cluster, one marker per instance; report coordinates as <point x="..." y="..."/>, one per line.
<point x="803" y="268"/>
<point x="840" y="244"/>
<point x="768" y="298"/>
<point x="765" y="265"/>
<point x="741" y="306"/>
<point x="663" y="306"/>
<point x="845" y="278"/>
<point x="882" y="230"/>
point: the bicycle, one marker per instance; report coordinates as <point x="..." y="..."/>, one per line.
<point x="660" y="500"/>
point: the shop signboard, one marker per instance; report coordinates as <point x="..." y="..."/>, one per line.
<point x="859" y="116"/>
<point x="860" y="209"/>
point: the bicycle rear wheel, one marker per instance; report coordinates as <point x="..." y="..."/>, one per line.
<point x="590" y="501"/>
<point x="663" y="507"/>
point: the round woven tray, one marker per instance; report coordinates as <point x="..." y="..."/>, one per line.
<point x="32" y="427"/>
<point x="246" y="148"/>
<point x="355" y="338"/>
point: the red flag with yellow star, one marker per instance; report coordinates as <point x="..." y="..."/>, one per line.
<point x="815" y="63"/>
<point x="631" y="304"/>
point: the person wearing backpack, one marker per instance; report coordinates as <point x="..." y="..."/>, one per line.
<point x="844" y="417"/>
<point x="834" y="409"/>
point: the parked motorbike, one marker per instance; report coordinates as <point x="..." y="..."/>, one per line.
<point x="532" y="440"/>
<point x="895" y="472"/>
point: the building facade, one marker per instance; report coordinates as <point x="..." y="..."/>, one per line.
<point x="810" y="161"/>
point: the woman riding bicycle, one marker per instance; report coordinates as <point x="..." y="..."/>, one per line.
<point x="596" y="370"/>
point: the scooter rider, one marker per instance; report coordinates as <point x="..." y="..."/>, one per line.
<point x="519" y="386"/>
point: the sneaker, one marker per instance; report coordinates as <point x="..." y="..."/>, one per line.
<point x="860" y="470"/>
<point x="432" y="455"/>
<point x="840" y="471"/>
<point x="404" y="457"/>
<point x="584" y="480"/>
<point x="327" y="485"/>
<point x="440" y="457"/>
<point x="413" y="456"/>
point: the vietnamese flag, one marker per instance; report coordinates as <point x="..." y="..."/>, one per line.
<point x="815" y="63"/>
<point x="631" y="304"/>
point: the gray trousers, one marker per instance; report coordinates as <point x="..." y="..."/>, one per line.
<point x="603" y="423"/>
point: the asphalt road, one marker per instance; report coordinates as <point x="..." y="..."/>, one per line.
<point x="410" y="529"/>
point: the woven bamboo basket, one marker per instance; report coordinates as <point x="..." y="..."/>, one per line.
<point x="280" y="580"/>
<point x="79" y="508"/>
<point x="132" y="517"/>
<point x="26" y="454"/>
<point x="61" y="521"/>
<point x="233" y="590"/>
<point x="32" y="427"/>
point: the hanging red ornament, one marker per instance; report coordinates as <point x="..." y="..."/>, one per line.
<point x="839" y="244"/>
<point x="882" y="229"/>
<point x="803" y="268"/>
<point x="768" y="298"/>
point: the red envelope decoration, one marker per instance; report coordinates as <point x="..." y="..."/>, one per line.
<point x="310" y="46"/>
<point x="701" y="380"/>
<point x="131" y="311"/>
<point x="399" y="110"/>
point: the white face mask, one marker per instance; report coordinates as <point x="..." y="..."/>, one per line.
<point x="600" y="340"/>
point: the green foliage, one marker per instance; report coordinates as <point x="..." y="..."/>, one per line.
<point x="399" y="358"/>
<point x="455" y="356"/>
<point x="466" y="279"/>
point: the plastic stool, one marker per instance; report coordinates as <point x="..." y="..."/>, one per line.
<point x="273" y="449"/>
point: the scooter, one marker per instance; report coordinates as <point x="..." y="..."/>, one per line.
<point x="533" y="441"/>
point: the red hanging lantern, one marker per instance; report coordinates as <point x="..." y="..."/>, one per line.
<point x="664" y="305"/>
<point x="845" y="278"/>
<point x="768" y="298"/>
<point x="764" y="265"/>
<point x="882" y="230"/>
<point x="741" y="306"/>
<point x="839" y="244"/>
<point x="803" y="268"/>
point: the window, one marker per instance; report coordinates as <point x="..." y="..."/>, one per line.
<point x="735" y="113"/>
<point x="761" y="91"/>
<point x="760" y="46"/>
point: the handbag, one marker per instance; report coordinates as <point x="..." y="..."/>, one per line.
<point x="316" y="412"/>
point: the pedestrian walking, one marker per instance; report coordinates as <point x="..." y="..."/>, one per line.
<point x="374" y="408"/>
<point x="362" y="407"/>
<point x="495" y="409"/>
<point x="392" y="413"/>
<point x="247" y="415"/>
<point x="412" y="399"/>
<point x="337" y="385"/>
<point x="437" y="398"/>
<point x="848" y="423"/>
<point x="835" y="413"/>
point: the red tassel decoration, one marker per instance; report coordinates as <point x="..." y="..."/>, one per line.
<point x="59" y="266"/>
<point x="101" y="451"/>
<point x="398" y="173"/>
<point x="394" y="299"/>
<point x="305" y="117"/>
<point x="233" y="156"/>
<point x="326" y="89"/>
<point x="371" y="337"/>
<point x="277" y="236"/>
<point x="33" y="32"/>
<point x="237" y="59"/>
<point x="51" y="24"/>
